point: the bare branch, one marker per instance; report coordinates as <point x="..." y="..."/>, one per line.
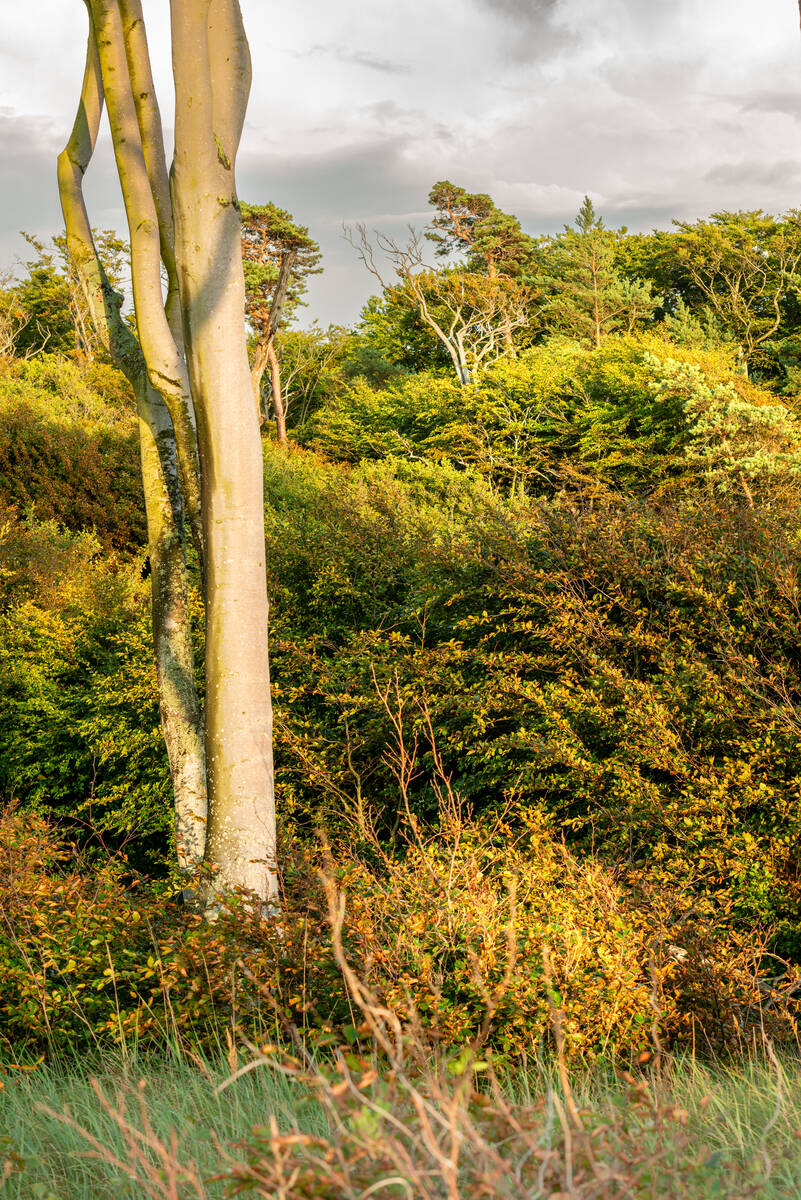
<point x="471" y="315"/>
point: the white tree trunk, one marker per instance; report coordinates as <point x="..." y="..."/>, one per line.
<point x="211" y="65"/>
<point x="178" y="700"/>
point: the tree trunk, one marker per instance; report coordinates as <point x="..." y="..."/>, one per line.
<point x="151" y="133"/>
<point x="265" y="351"/>
<point x="257" y="374"/>
<point x="178" y="700"/>
<point x="460" y="361"/>
<point x="165" y="362"/>
<point x="596" y="304"/>
<point x="278" y="396"/>
<point x="211" y="65"/>
<point x="181" y="719"/>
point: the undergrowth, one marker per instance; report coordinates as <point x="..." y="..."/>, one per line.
<point x="173" y="1127"/>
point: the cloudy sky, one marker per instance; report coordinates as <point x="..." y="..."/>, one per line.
<point x="656" y="108"/>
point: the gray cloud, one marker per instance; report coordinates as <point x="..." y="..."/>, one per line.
<point x="656" y="110"/>
<point x="531" y="30"/>
<point x="370" y="181"/>
<point x="30" y="147"/>
<point x="529" y="12"/>
<point x="29" y="199"/>
<point x="787" y="102"/>
<point x="355" y="57"/>
<point x="783" y="174"/>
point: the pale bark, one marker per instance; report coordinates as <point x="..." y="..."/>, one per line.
<point x="476" y="322"/>
<point x="210" y="431"/>
<point x="178" y="700"/>
<point x="181" y="718"/>
<point x="151" y="133"/>
<point x="211" y="66"/>
<point x="165" y="362"/>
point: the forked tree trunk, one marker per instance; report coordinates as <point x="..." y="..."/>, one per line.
<point x="211" y="65"/>
<point x="195" y="409"/>
<point x="266" y="353"/>
<point x="120" y="44"/>
<point x="178" y="701"/>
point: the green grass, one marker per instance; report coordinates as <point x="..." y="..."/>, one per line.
<point x="179" y="1095"/>
<point x="741" y="1136"/>
<point x="735" y="1130"/>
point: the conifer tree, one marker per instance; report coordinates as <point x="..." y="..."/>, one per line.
<point x="493" y="242"/>
<point x="278" y="257"/>
<point x="589" y="298"/>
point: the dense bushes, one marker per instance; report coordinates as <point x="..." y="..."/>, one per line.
<point x="69" y="449"/>
<point x="631" y="670"/>
<point x="607" y="655"/>
<point x="465" y="933"/>
<point x="560" y="415"/>
<point x="628" y="669"/>
<point x="79" y="726"/>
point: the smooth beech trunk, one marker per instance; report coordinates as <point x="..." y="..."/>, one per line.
<point x="178" y="700"/>
<point x="165" y="362"/>
<point x="199" y="433"/>
<point x="211" y="66"/>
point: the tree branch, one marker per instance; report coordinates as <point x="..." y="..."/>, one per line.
<point x="165" y="362"/>
<point x="150" y="130"/>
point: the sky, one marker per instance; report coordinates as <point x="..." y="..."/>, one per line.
<point x="655" y="108"/>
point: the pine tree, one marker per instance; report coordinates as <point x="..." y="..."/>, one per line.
<point x="589" y="298"/>
<point x="278" y="257"/>
<point x="492" y="240"/>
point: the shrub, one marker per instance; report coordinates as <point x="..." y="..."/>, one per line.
<point x="558" y="416"/>
<point x="68" y="444"/>
<point x="452" y="935"/>
<point x="80" y="732"/>
<point x="626" y="669"/>
<point x="630" y="670"/>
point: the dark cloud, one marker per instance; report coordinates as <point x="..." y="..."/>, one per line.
<point x="345" y="182"/>
<point x="531" y="30"/>
<point x="29" y="147"/>
<point x="371" y="181"/>
<point x="766" y="175"/>
<point x="523" y="12"/>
